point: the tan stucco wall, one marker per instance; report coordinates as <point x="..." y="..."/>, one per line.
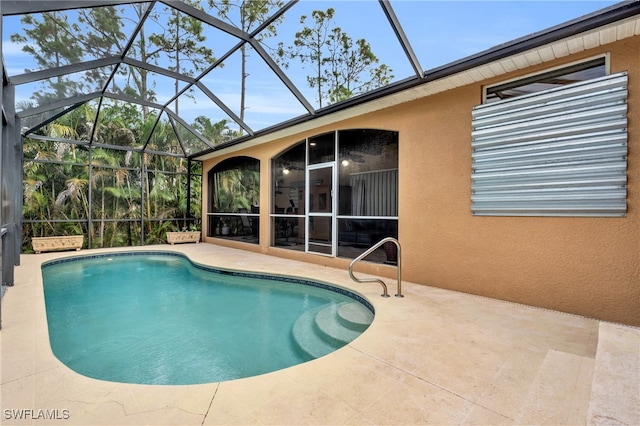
<point x="585" y="266"/>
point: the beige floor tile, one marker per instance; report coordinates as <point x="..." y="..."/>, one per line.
<point x="292" y="403"/>
<point x="557" y="395"/>
<point x="480" y="416"/>
<point x="615" y="397"/>
<point x="510" y="386"/>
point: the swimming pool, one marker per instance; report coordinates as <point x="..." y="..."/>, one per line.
<point x="158" y="318"/>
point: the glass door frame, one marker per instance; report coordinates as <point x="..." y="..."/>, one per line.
<point x="331" y="165"/>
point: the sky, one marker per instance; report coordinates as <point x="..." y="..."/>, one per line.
<point x="440" y="32"/>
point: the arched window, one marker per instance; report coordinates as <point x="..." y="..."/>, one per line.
<point x="336" y="193"/>
<point x="234" y="195"/>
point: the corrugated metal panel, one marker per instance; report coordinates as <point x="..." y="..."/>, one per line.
<point x="560" y="152"/>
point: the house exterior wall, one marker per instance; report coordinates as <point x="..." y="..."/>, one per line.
<point x="584" y="266"/>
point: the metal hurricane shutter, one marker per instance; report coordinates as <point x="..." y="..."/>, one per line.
<point x="558" y="152"/>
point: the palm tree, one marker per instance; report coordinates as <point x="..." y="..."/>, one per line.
<point x="217" y="133"/>
<point x="74" y="198"/>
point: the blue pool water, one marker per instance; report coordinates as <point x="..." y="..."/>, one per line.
<point x="156" y="318"/>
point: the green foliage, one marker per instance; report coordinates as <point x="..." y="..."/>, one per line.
<point x="58" y="179"/>
<point x="57" y="183"/>
<point x="54" y="41"/>
<point x="50" y="42"/>
<point x="235" y="189"/>
<point x="217" y="133"/>
<point x="340" y="67"/>
<point x="182" y="41"/>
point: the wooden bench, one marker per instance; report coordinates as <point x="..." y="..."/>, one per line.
<point x="70" y="242"/>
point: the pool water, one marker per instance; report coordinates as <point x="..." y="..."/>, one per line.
<point x="157" y="319"/>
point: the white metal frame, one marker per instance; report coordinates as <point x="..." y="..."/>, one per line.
<point x="334" y="206"/>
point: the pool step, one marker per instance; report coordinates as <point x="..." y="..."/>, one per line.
<point x="320" y="331"/>
<point x="354" y="316"/>
<point x="306" y="338"/>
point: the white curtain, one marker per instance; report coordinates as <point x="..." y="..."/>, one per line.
<point x="374" y="193"/>
<point x="357" y="197"/>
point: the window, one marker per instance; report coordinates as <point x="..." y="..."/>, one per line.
<point x="346" y="212"/>
<point x="556" y="152"/>
<point x="288" y="200"/>
<point x="368" y="196"/>
<point x="234" y="194"/>
<point x="549" y="80"/>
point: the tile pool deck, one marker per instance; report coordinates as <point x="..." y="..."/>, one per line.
<point x="432" y="357"/>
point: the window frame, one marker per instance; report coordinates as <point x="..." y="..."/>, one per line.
<point x="557" y="71"/>
<point x="234" y="218"/>
<point x="337" y="162"/>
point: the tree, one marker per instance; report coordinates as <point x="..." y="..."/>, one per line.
<point x="100" y="36"/>
<point x="252" y="14"/>
<point x="50" y="41"/>
<point x="235" y="189"/>
<point x="101" y="180"/>
<point x="348" y="63"/>
<point x="57" y="181"/>
<point x="215" y="132"/>
<point x="183" y="42"/>
<point x="341" y="67"/>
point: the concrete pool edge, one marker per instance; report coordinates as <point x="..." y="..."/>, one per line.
<point x="46" y="369"/>
<point x="445" y="357"/>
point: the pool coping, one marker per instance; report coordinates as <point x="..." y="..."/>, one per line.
<point x="443" y="357"/>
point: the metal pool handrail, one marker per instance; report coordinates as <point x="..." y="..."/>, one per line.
<point x="376" y="280"/>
